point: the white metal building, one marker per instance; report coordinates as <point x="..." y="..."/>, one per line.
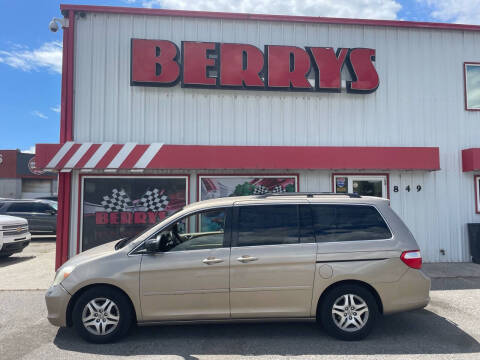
<point x="132" y="133"/>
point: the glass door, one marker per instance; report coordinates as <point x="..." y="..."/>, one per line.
<point x="367" y="185"/>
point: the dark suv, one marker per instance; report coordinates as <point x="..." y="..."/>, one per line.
<point x="40" y="214"/>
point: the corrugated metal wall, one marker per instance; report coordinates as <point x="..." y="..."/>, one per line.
<point x="10" y="188"/>
<point x="420" y="102"/>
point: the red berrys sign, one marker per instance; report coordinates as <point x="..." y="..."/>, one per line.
<point x="243" y="66"/>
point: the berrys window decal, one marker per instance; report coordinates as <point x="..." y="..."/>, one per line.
<point x="246" y="67"/>
<point x="115" y="207"/>
<point x="217" y="186"/>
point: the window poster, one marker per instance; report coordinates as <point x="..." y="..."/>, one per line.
<point x="212" y="187"/>
<point x="118" y="207"/>
<point x="341" y="184"/>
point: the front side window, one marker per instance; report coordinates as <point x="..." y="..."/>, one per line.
<point x="41" y="208"/>
<point x="348" y="223"/>
<point x="472" y="86"/>
<point x="267" y="225"/>
<point x="199" y="231"/>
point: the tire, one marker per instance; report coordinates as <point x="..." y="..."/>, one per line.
<point x="351" y="324"/>
<point x="105" y="310"/>
<point x="4" y="256"/>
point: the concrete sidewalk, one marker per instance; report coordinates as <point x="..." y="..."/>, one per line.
<point x="32" y="269"/>
<point x="451" y="270"/>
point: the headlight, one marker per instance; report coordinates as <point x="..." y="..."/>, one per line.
<point x="62" y="274"/>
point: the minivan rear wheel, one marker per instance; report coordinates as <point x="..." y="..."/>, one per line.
<point x="348" y="312"/>
<point x="102" y="314"/>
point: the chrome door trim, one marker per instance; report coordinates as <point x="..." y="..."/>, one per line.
<point x="232" y="320"/>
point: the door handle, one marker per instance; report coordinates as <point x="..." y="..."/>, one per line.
<point x="212" y="260"/>
<point x="246" y="258"/>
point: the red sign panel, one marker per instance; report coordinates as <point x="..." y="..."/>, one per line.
<point x="243" y="66"/>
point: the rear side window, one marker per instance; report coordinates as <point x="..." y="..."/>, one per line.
<point x="267" y="225"/>
<point x="20" y="207"/>
<point x="348" y="223"/>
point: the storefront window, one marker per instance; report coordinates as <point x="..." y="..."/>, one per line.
<point x="117" y="207"/>
<point x="212" y="187"/>
<point x="472" y="86"/>
<point x="367" y="185"/>
<point x="477" y="194"/>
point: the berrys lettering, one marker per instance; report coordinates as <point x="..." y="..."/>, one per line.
<point x="136" y="217"/>
<point x="243" y="66"/>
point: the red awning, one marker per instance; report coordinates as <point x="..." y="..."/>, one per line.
<point x="133" y="156"/>
<point x="471" y="159"/>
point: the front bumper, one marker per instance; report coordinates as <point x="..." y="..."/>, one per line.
<point x="12" y="245"/>
<point x="57" y="299"/>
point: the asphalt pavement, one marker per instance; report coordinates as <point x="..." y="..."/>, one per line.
<point x="447" y="329"/>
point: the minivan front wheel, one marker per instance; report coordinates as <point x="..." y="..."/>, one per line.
<point x="348" y="312"/>
<point x="102" y="314"/>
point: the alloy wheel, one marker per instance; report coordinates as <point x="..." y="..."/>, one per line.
<point x="100" y="316"/>
<point x="350" y="312"/>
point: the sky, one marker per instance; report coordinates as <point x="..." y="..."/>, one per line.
<point x="31" y="55"/>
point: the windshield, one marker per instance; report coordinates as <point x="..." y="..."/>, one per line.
<point x="125" y="241"/>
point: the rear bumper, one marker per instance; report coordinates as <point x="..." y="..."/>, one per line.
<point x="57" y="299"/>
<point x="411" y="292"/>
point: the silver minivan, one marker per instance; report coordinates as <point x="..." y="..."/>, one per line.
<point x="340" y="259"/>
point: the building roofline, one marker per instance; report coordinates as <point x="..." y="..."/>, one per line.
<point x="266" y="17"/>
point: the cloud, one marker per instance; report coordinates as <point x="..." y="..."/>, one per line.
<point x="39" y="114"/>
<point x="30" y="150"/>
<point x="48" y="56"/>
<point x="55" y="108"/>
<point x="368" y="9"/>
<point x="457" y="11"/>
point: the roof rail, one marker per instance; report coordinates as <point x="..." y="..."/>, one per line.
<point x="309" y="194"/>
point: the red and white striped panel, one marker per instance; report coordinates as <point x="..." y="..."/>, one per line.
<point x="106" y="156"/>
<point x="136" y="157"/>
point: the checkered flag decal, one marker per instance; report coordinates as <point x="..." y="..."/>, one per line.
<point x="278" y="189"/>
<point x="260" y="190"/>
<point x="154" y="200"/>
<point x="118" y="201"/>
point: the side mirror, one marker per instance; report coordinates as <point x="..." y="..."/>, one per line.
<point x="152" y="245"/>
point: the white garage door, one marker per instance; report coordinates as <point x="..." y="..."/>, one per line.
<point x="32" y="188"/>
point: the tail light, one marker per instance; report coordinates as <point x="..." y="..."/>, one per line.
<point x="412" y="258"/>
